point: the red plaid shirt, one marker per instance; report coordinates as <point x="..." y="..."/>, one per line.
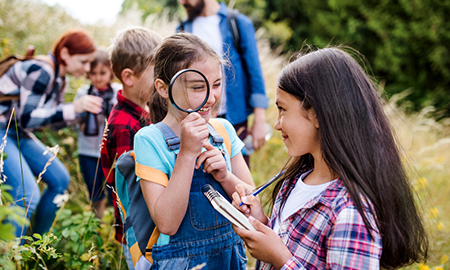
<point x="327" y="233"/>
<point x="124" y="122"/>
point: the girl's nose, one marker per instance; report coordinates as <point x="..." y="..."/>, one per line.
<point x="277" y="126"/>
<point x="212" y="97"/>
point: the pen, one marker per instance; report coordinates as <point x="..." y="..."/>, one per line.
<point x="266" y="184"/>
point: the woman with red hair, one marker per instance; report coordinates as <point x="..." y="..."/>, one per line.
<point x="39" y="86"/>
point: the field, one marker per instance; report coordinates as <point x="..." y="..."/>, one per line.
<point x="79" y="241"/>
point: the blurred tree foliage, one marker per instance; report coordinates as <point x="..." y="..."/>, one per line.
<point x="151" y="6"/>
<point x="405" y="41"/>
<point x="33" y="23"/>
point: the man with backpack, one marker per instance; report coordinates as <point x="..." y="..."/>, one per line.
<point x="232" y="35"/>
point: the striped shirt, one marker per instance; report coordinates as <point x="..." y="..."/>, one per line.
<point x="41" y="96"/>
<point x="327" y="233"/>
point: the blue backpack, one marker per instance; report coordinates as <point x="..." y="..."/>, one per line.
<point x="140" y="230"/>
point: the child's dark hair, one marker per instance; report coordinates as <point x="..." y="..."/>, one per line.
<point x="358" y="145"/>
<point x="102" y="57"/>
<point x="177" y="52"/>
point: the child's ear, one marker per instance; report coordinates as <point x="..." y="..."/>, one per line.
<point x="313" y="117"/>
<point x="161" y="88"/>
<point x="127" y="77"/>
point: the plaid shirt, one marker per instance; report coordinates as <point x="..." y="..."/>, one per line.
<point x="41" y="95"/>
<point x="328" y="233"/>
<point x="124" y="122"/>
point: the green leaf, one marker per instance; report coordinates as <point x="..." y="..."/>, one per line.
<point x="7" y="232"/>
<point x="74" y="236"/>
<point x="38" y="236"/>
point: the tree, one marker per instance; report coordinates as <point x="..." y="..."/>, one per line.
<point x="406" y="41"/>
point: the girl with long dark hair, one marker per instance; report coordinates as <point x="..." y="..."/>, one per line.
<point x="344" y="201"/>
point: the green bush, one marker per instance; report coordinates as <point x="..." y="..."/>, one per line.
<point x="405" y="41"/>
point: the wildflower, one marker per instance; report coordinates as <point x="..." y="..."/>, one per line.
<point x="440" y="159"/>
<point x="422" y="182"/>
<point x="434" y="212"/>
<point x="440" y="226"/>
<point x="423" y="266"/>
<point x="60" y="199"/>
<point x="444" y="259"/>
<point x="439" y="268"/>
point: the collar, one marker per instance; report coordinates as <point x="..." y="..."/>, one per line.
<point x="328" y="197"/>
<point x="223" y="10"/>
<point x="134" y="109"/>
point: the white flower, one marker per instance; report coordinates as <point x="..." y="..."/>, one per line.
<point x="61" y="198"/>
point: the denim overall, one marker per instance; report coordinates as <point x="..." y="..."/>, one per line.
<point x="204" y="235"/>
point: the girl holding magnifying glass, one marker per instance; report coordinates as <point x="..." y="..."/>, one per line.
<point x="184" y="155"/>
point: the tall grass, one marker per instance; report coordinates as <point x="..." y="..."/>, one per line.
<point x="425" y="142"/>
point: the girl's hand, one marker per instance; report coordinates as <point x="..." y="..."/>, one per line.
<point x="214" y="162"/>
<point x="264" y="244"/>
<point x="193" y="132"/>
<point x="252" y="206"/>
<point x="88" y="103"/>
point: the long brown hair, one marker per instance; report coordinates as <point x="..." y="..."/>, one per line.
<point x="359" y="146"/>
<point x="177" y="52"/>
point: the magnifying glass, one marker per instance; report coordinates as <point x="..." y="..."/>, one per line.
<point x="189" y="90"/>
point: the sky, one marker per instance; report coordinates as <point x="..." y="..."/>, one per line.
<point x="90" y="11"/>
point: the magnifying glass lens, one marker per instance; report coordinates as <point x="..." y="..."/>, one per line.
<point x="189" y="91"/>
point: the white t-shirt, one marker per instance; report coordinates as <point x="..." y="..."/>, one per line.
<point x="298" y="198"/>
<point x="207" y="28"/>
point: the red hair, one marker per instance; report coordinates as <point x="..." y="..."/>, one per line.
<point x="76" y="41"/>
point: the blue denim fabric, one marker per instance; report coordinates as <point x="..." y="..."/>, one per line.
<point x="204" y="235"/>
<point x="244" y="79"/>
<point x="127" y="254"/>
<point x="33" y="161"/>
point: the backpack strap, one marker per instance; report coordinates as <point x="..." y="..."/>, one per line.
<point x="223" y="132"/>
<point x="46" y="59"/>
<point x="150" y="174"/>
<point x="181" y="27"/>
<point x="234" y="28"/>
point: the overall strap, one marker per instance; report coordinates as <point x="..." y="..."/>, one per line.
<point x="217" y="139"/>
<point x="172" y="141"/>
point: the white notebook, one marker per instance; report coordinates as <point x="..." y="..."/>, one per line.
<point x="225" y="208"/>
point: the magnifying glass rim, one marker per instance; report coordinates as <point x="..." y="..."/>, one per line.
<point x="172" y="81"/>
